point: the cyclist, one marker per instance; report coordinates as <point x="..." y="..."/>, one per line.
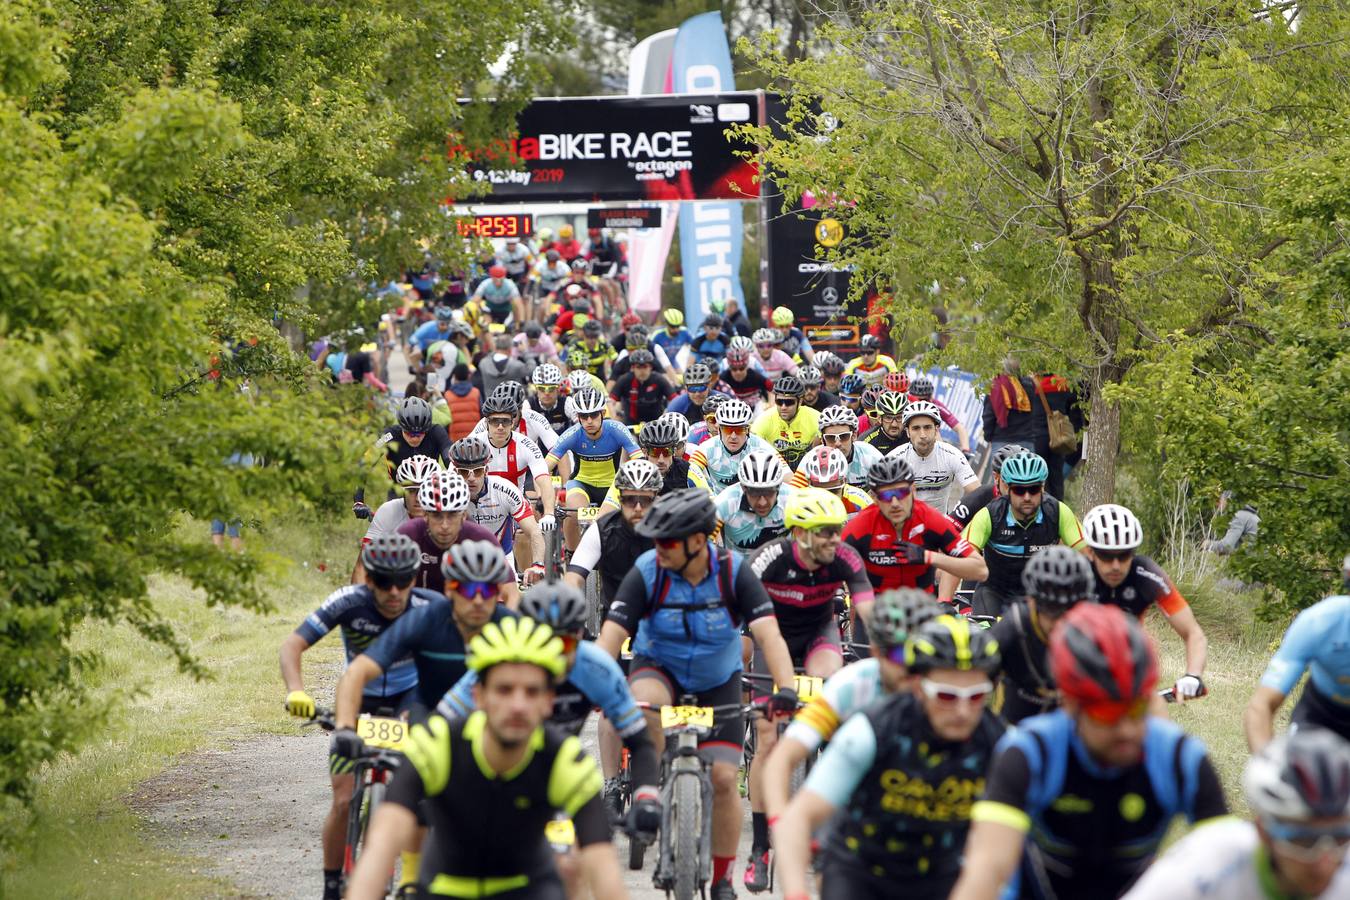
<point x="922" y="388"/>
<point x="499" y="507"/>
<point x="640" y="395"/>
<point x="903" y="541"/>
<point x="1298" y="788"/>
<point x="515" y="457"/>
<point x="600" y="446"/>
<point x="567" y="245"/>
<point x="509" y="397"/>
<point x="1082" y="797"/>
<point x="1055" y="579"/>
<point x="516" y="258"/>
<point x="794" y="343"/>
<point x="553" y="274"/>
<point x="825" y="468"/>
<point x="592" y="352"/>
<point x="771" y="360"/>
<point x="966" y="508"/>
<point x="698" y="382"/>
<point x="908" y="770"/>
<point x="500" y="297"/>
<point x="789" y="427"/>
<point x="534" y="348"/>
<point x="1316" y="641"/>
<point x="685" y="601"/>
<point x="889" y="432"/>
<point x="490" y="783"/>
<point x="444" y="498"/>
<point x="743" y="382"/>
<point x="674" y="337"/>
<point x="392" y="513"/>
<point x="428" y="333"/>
<point x="634" y="340"/>
<point x="839" y="430"/>
<point x="801" y="572"/>
<point x="414" y="435"/>
<point x="710" y="346"/>
<point x="610" y="545"/>
<point x="1134" y="582"/>
<point x="718" y="460"/>
<point x="701" y="432"/>
<point x="812" y="394"/>
<point x="938" y="466"/>
<point x="870" y="363"/>
<point x="850" y="394"/>
<point x="750" y="512"/>
<point x="547" y="398"/>
<point x="1013" y="527"/>
<point x="831" y="371"/>
<point x="363" y="611"/>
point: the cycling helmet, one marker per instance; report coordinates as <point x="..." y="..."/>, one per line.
<point x="444" y="314"/>
<point x="1300" y="776"/>
<point x="922" y="408"/>
<point x="547" y="375"/>
<point x="717" y="304"/>
<point x="767" y="336"/>
<point x="470" y="451"/>
<point x="588" y="400"/>
<point x="711" y="402"/>
<point x="1024" y="468"/>
<point x="897" y="614"/>
<point x="1003" y="454"/>
<point x="761" y="470"/>
<point x="552" y="255"/>
<point x="414" y="415"/>
<point x="869" y="342"/>
<point x="949" y="642"/>
<point x="897" y="382"/>
<point x="517" y="639"/>
<point x="697" y="373"/>
<point x="868" y="400"/>
<point x="852" y="385"/>
<point x="678" y="515"/>
<point x="475" y="561"/>
<point x="824" y="464"/>
<point x="559" y="606"/>
<point x="392" y="554"/>
<point x="512" y="389"/>
<point x="592" y="328"/>
<point x="636" y="338"/>
<point x="500" y="402"/>
<point x="1059" y="577"/>
<point x="891" y="403"/>
<point x="734" y="412"/>
<point x="580" y="265"/>
<point x="922" y="388"/>
<point x="1109" y="526"/>
<point x="678" y="422"/>
<point x="738" y="357"/>
<point x="661" y="432"/>
<point x="639" y="475"/>
<point x="783" y="317"/>
<point x="811" y="508"/>
<point x="534" y="331"/>
<point x="810" y="376"/>
<point x="565" y="232"/>
<point x="889" y="470"/>
<point x="788" y="386"/>
<point x="741" y="342"/>
<point x="712" y="320"/>
<point x="583" y="304"/>
<point x="641" y="357"/>
<point x="673" y="317"/>
<point x="1099" y="653"/>
<point x="444" y="492"/>
<point x="838" y="415"/>
<point x="829" y="364"/>
<point x="414" y="470"/>
<point x="629" y="319"/>
<point x="579" y="380"/>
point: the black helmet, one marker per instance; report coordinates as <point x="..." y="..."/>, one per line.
<point x="1003" y="454"/>
<point x="921" y="388"/>
<point x="870" y="342"/>
<point x="949" y="642"/>
<point x="392" y="554"/>
<point x="789" y="386"/>
<point x="556" y="604"/>
<point x="1059" y="577"/>
<point x="641" y="358"/>
<point x="679" y="514"/>
<point x="533" y="330"/>
<point x="470" y="451"/>
<point x="513" y="390"/>
<point x="829" y="363"/>
<point x="660" y="433"/>
<point x="592" y="328"/>
<point x="889" y="470"/>
<point x="712" y="319"/>
<point x="414" y="414"/>
<point x="500" y="403"/>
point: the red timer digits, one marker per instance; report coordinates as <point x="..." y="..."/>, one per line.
<point x="516" y="226"/>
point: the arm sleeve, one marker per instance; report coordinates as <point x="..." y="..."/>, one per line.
<point x="977" y="532"/>
<point x="1005" y="793"/>
<point x="1070" y="531"/>
<point x="836" y="775"/>
<point x="859" y="585"/>
<point x="587" y="553"/>
<point x="630" y="601"/>
<point x="752" y="601"/>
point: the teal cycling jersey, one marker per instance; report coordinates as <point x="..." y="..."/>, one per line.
<point x="721" y="464"/>
<point x="1319" y="641"/>
<point x="741" y="528"/>
<point x="597" y="457"/>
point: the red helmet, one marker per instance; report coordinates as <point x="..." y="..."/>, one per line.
<point x="497" y="271"/>
<point x="897" y="382"/>
<point x="1100" y="655"/>
<point x="629" y="320"/>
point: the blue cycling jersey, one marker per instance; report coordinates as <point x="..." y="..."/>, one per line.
<point x="671" y="343"/>
<point x="431" y="638"/>
<point x="1318" y="640"/>
<point x="352" y="608"/>
<point x="742" y="529"/>
<point x="598" y="457"/>
<point x="427" y="334"/>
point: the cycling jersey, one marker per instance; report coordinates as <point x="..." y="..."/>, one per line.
<point x="877" y="541"/>
<point x="1029" y="687"/>
<point x="906" y="797"/>
<point x="1223" y="860"/>
<point x="611" y="547"/>
<point x="555" y="415"/>
<point x="487" y="828"/>
<point x="387" y="519"/>
<point x="498" y="503"/>
<point x="859" y="464"/>
<point x="803" y="599"/>
<point x="516" y="263"/>
<point x="352" y="608"/>
<point x="966" y="508"/>
<point x="692" y="631"/>
<point x="597" y="457"/>
<point x="791" y="439"/>
<point x="678" y="476"/>
<point x="497" y="298"/>
<point x="672" y="343"/>
<point x="739" y="528"/>
<point x="513" y="460"/>
<point x="1318" y="640"/>
<point x="1008" y="543"/>
<point x="845" y="692"/>
<point x="720" y="464"/>
<point x="641" y="401"/>
<point x="1092" y="830"/>
<point x="427" y="334"/>
<point x="430" y="575"/>
<point x="777" y="365"/>
<point x="708" y="350"/>
<point x="430" y="636"/>
<point x="1144" y="585"/>
<point x="938" y="475"/>
<point x="875" y="374"/>
<point x="593" y="359"/>
<point x="533" y="425"/>
<point x="752" y="387"/>
<point x="885" y="443"/>
<point x="795" y="344"/>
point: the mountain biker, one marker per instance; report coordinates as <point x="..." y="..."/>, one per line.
<point x="500" y="297"/>
<point x="794" y="343"/>
<point x="908" y="770"/>
<point x="362" y="611"/>
<point x="567" y="244"/>
<point x="870" y="364"/>
<point x="553" y="274"/>
<point x="718" y="459"/>
<point x="839" y="430"/>
<point x="770" y="359"/>
<point x="939" y="468"/>
<point x="701" y="432"/>
<point x="825" y="468"/>
<point x="500" y="366"/>
<point x="444" y="498"/>
<point x="750" y="512"/>
<point x="600" y="446"/>
<point x="742" y="380"/>
<point x="1013" y="527"/>
<point x="514" y="456"/>
<point x="1055" y="580"/>
<point x="509" y="397"/>
<point x="851" y="389"/>
<point x="498" y="506"/>
<point x="610" y="545"/>
<point x="831" y="370"/>
<point x="1316" y="641"/>
<point x="674" y="337"/>
<point x="605" y="253"/>
<point x="1134" y="582"/>
<point x="592" y="353"/>
<point x="636" y="337"/>
<point x="966" y="508"/>
<point x="534" y="348"/>
<point x="685" y="601"/>
<point x="392" y="513"/>
<point x="789" y="427"/>
<point x="1298" y="788"/>
<point x="812" y="394"/>
<point x="888" y="434"/>
<point x="1082" y="797"/>
<point x="711" y="345"/>
<point x="922" y="388"/>
<point x="516" y="258"/>
<point x="502" y="771"/>
<point x="547" y="400"/>
<point x="640" y="395"/>
<point x="414" y="435"/>
<point x="698" y="382"/>
<point x="428" y="333"/>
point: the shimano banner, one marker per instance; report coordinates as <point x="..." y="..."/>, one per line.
<point x="710" y="233"/>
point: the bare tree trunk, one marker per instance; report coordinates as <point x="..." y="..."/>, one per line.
<point x="1100" y="448"/>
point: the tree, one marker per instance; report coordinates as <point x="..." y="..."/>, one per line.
<point x="1083" y="178"/>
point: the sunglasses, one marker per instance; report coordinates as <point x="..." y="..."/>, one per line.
<point x="890" y="495"/>
<point x="764" y="346"/>
<point x="733" y="430"/>
<point x="697" y="388"/>
<point x="829" y="531"/>
<point x="659" y="452"/>
<point x="869" y="353"/>
<point x="632" y="501"/>
<point x="1113" y="555"/>
<point x="591" y="415"/>
<point x="1306" y="844"/>
<point x="500" y="423"/>
<point x="755" y="494"/>
<point x="1109" y="712"/>
<point x="414" y="434"/>
<point x="836" y="438"/>
<point x="570" y="642"/>
<point x="475" y="472"/>
<point x="385" y="582"/>
<point x="668" y="543"/>
<point x="1025" y="490"/>
<point x="950" y="694"/>
<point x="786" y="401"/>
<point x="484" y="590"/>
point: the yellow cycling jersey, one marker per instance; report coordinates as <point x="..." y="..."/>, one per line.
<point x="792" y="439"/>
<point x="874" y="374"/>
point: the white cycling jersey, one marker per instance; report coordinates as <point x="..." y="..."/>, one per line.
<point x="941" y="477"/>
<point x="520" y="455"/>
<point x="1222" y="859"/>
<point x="499" y="502"/>
<point x="390" y="515"/>
<point x="533" y="424"/>
<point x="845" y="692"/>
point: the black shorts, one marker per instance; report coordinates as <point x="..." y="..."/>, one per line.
<point x="800" y="647"/>
<point x="1315" y="711"/>
<point x="842" y="880"/>
<point x="727" y="739"/>
<point x="990" y="601"/>
<point x="594" y="493"/>
<point x="392" y="706"/>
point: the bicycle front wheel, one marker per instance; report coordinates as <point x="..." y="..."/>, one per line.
<point x="688" y="801"/>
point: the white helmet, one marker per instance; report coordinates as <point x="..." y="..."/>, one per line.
<point x="588" y="400"/>
<point x="578" y="379"/>
<point x="734" y="412"/>
<point x="767" y="336"/>
<point x="639" y="475"/>
<point x="741" y="342"/>
<point x="921" y="408"/>
<point x="761" y="469"/>
<point x="1112" y="527"/>
<point x="824" y="465"/>
<point x="678" y="422"/>
<point x="416" y="469"/>
<point x="547" y="375"/>
<point x="444" y="492"/>
<point x="838" y="415"/>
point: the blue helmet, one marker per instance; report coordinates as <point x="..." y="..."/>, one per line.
<point x="852" y="384"/>
<point x="1024" y="468"/>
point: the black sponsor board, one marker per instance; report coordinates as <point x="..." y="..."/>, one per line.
<point x="638" y="217"/>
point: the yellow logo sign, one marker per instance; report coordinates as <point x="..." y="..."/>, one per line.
<point x="829" y="232"/>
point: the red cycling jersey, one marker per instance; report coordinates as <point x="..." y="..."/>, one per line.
<point x="877" y="542"/>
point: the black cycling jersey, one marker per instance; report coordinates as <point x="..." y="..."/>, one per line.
<point x="487" y="829"/>
<point x="752" y="388"/>
<point x="966" y="507"/>
<point x="803" y="599"/>
<point x="556" y="414"/>
<point x="641" y="401"/>
<point x="883" y="441"/>
<point x="1028" y="688"/>
<point x="677" y="477"/>
<point x="823" y="399"/>
<point x="430" y="636"/>
<point x="1011" y="543"/>
<point x="435" y="443"/>
<point x="1144" y="585"/>
<point x="621" y="548"/>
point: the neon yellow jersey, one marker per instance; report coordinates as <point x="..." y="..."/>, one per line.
<point x="792" y="439"/>
<point x="875" y="374"/>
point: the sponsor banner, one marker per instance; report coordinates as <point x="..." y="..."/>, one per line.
<point x="604" y="149"/>
<point x="649" y="63"/>
<point x="647" y="252"/>
<point x="639" y="217"/>
<point x="956" y="391"/>
<point x="710" y="233"/>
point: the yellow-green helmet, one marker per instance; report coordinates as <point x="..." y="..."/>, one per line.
<point x="674" y="317"/>
<point x="517" y="640"/>
<point x="813" y="508"/>
<point x="783" y="317"/>
<point x="948" y="642"/>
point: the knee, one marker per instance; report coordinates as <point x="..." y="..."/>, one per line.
<point x="723" y="778"/>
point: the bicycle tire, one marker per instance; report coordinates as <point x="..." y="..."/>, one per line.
<point x="358" y="820"/>
<point x="687" y="798"/>
<point x="594" y="603"/>
<point x="636" y="852"/>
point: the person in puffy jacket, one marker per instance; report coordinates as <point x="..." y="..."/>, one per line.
<point x="464" y="401"/>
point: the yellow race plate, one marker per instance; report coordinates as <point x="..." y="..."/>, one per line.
<point x="697" y="716"/>
<point x="387" y="734"/>
<point x="588" y="513"/>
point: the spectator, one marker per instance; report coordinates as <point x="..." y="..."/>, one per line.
<point x="500" y="365"/>
<point x="1013" y="415"/>
<point x="1242" y="528"/>
<point x="463" y="400"/>
<point x="1060" y="396"/>
<point x="737" y="322"/>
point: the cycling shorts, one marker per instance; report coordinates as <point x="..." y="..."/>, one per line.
<point x="1314" y="710"/>
<point x="824" y="640"/>
<point x="727" y="739"/>
<point x="846" y="880"/>
<point x="393" y="705"/>
<point x="594" y="493"/>
<point x="989" y="601"/>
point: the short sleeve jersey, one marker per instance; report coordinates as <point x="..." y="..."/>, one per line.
<point x="878" y="543"/>
<point x="1318" y="639"/>
<point x="1144" y="585"/>
<point x="719" y="464"/>
<point x="943" y="472"/>
<point x="597" y="457"/>
<point x="387" y="519"/>
<point x="804" y="598"/>
<point x="845" y="692"/>
<point x="430" y="575"/>
<point x="499" y="502"/>
<point x="740" y="528"/>
<point x="515" y="458"/>
<point x="792" y="438"/>
<point x="429" y="635"/>
<point x="352" y="609"/>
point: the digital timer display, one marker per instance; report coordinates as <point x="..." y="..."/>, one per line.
<point x="497" y="226"/>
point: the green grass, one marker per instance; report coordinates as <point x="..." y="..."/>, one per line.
<point x="85" y="841"/>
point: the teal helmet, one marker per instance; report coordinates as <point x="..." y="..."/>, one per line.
<point x="1024" y="468"/>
